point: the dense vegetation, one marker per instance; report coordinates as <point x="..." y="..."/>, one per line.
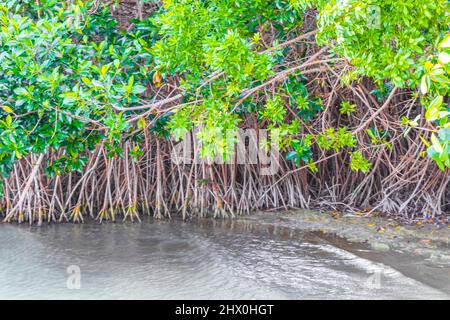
<point x="355" y="93"/>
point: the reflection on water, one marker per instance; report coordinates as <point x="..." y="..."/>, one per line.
<point x="200" y="260"/>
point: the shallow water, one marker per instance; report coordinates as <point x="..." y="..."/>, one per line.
<point x="199" y="260"/>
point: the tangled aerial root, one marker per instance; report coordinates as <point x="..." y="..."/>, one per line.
<point x="399" y="184"/>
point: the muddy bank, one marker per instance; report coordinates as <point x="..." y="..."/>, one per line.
<point x="420" y="251"/>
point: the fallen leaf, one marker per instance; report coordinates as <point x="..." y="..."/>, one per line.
<point x="371" y="225"/>
<point x="381" y="230"/>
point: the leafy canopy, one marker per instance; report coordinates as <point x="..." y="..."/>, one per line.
<point x="62" y="73"/>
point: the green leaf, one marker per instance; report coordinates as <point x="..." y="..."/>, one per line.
<point x="424" y="85"/>
<point x="432" y="113"/>
<point x="139" y="89"/>
<point x="436" y="144"/>
<point x="446" y="42"/>
<point x="444" y="58"/>
<point x="7" y="109"/>
<point x="87" y="81"/>
<point x="291" y="155"/>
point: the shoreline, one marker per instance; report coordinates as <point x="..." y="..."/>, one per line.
<point x="421" y="252"/>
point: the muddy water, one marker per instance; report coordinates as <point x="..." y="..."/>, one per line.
<point x="198" y="260"/>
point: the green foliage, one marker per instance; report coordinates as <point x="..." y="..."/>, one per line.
<point x="274" y="110"/>
<point x="67" y="76"/>
<point x="203" y="37"/>
<point x="336" y="140"/>
<point x="398" y="41"/>
<point x="383" y="39"/>
<point x="306" y="107"/>
<point x="302" y="152"/>
<point x="217" y="130"/>
<point x="216" y="48"/>
<point x="379" y="137"/>
<point x="181" y="123"/>
<point x="286" y="131"/>
<point x="439" y="151"/>
<point x="347" y="108"/>
<point x="359" y="163"/>
<point x="435" y="86"/>
<point x="63" y="70"/>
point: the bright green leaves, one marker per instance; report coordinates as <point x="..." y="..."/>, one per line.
<point x="181" y="123"/>
<point x="330" y="140"/>
<point x="336" y="140"/>
<point x="131" y="89"/>
<point x="347" y="108"/>
<point x="434" y="112"/>
<point x="435" y="78"/>
<point x="61" y="71"/>
<point x="302" y="152"/>
<point x="445" y="43"/>
<point x="11" y="140"/>
<point x="340" y="139"/>
<point x="183" y="26"/>
<point x="359" y="163"/>
<point x="216" y="48"/>
<point x="201" y="38"/>
<point x="217" y="129"/>
<point x="383" y="39"/>
<point x="117" y="124"/>
<point x="435" y="86"/>
<point x="274" y="110"/>
<point x="439" y="150"/>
